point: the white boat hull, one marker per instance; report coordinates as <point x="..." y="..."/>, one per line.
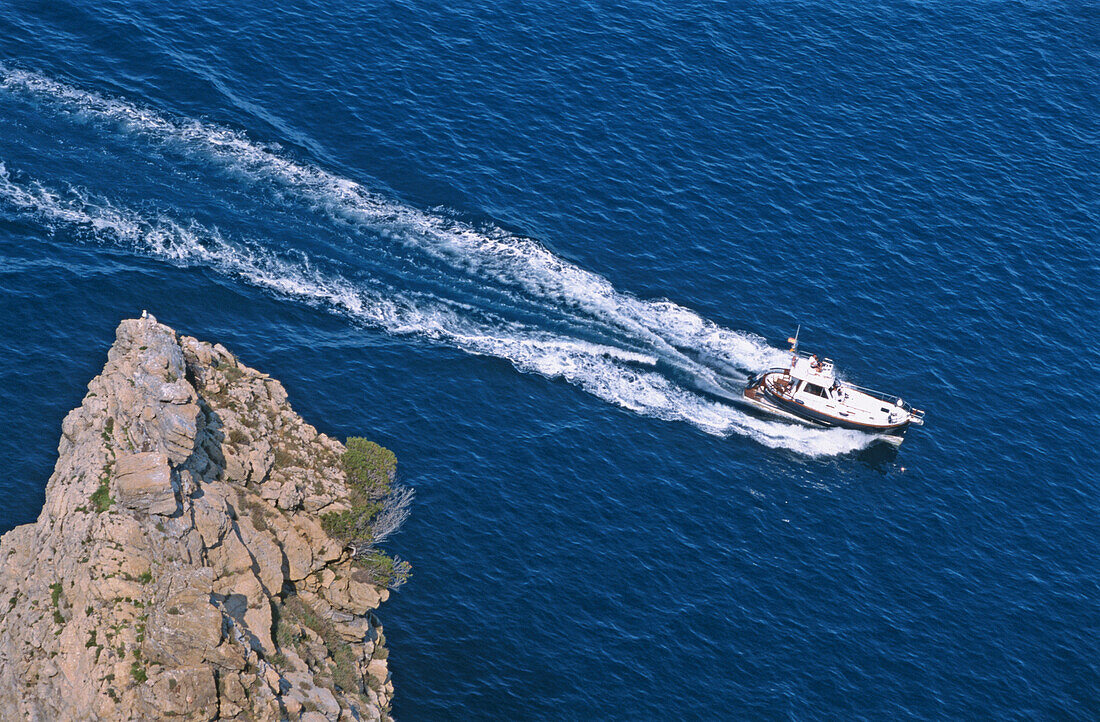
<point x="765" y="394"/>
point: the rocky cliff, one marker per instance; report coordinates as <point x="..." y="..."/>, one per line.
<point x="179" y="568"/>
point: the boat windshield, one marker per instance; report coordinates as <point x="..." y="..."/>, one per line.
<point x="815" y="390"/>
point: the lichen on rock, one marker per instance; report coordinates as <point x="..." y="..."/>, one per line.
<point x="180" y="567"/>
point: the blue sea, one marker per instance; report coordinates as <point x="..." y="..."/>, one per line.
<point x="517" y="242"/>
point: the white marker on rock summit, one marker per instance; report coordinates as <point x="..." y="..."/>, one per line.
<point x="181" y="564"/>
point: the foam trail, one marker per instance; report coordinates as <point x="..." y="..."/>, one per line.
<point x="521" y="263"/>
<point x="193" y="244"/>
<point x="625" y="378"/>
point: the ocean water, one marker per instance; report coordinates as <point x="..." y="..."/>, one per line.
<point x="522" y="244"/>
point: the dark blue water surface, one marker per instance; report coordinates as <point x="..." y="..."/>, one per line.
<point x="514" y="243"/>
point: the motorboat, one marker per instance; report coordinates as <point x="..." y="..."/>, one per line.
<point x="809" y="391"/>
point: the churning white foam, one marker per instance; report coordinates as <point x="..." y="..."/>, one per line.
<point x="669" y="333"/>
<point x="506" y="259"/>
<point x="625" y="378"/>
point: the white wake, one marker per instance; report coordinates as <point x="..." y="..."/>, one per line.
<point x="668" y="333"/>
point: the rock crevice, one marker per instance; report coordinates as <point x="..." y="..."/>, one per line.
<point x="179" y="567"/>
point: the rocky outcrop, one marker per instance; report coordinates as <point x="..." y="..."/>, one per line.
<point x="179" y="567"/>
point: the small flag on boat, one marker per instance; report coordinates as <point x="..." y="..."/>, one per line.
<point x="794" y="341"/>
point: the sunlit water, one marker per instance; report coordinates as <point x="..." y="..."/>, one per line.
<point x="534" y="252"/>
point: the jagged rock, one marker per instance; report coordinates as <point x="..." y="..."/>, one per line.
<point x="188" y="692"/>
<point x="379" y="670"/>
<point x="144" y="483"/>
<point x="179" y="567"/>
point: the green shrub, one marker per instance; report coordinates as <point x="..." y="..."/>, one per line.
<point x="55" y="597"/>
<point x="287" y="633"/>
<point x="285" y="458"/>
<point x="343" y="672"/>
<point x="297" y="611"/>
<point x="370" y="468"/>
<point x="381" y="570"/>
<point x="101" y="497"/>
<point x="351" y="523"/>
<point x="257" y="511"/>
<point x="137" y="671"/>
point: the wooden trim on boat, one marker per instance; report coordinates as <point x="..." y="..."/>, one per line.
<point x="842" y="422"/>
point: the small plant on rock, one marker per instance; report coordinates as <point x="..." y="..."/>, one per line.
<point x="378" y="509"/>
<point x="101" y="498"/>
<point x="380" y="569"/>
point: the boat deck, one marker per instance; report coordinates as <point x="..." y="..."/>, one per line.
<point x="845" y="406"/>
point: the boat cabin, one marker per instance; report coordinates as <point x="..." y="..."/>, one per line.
<point x="808" y="376"/>
<point x="809" y="391"/>
<point x="810" y="388"/>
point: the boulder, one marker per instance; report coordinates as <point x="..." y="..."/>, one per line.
<point x="143" y="482"/>
<point x="187" y="692"/>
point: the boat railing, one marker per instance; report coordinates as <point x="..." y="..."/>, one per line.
<point x="773" y="370"/>
<point x="889" y="398"/>
<point x="880" y="395"/>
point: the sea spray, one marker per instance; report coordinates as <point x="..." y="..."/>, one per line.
<point x="491" y="253"/>
<point x="625" y="378"/>
<point x="652" y="357"/>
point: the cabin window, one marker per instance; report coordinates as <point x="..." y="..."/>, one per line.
<point x="815" y="390"/>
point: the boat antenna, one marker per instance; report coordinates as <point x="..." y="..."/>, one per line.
<point x="794" y="341"/>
